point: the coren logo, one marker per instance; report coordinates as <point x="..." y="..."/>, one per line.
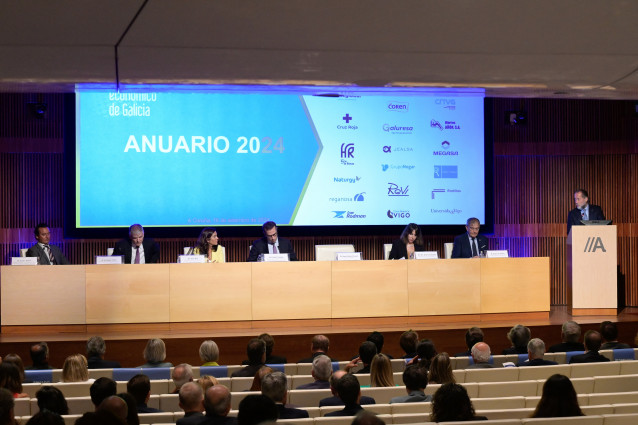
<point x="594" y="243"/>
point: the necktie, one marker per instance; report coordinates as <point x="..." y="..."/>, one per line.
<point x="274" y="249"/>
<point x="50" y="254"/>
<point x="137" y="255"/>
<point x="583" y="213"/>
<point x="474" y="250"/>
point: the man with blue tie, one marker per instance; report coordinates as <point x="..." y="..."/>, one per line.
<point x="583" y="211"/>
<point x="470" y="244"/>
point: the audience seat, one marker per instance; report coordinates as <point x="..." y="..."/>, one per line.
<point x="238" y="397"/>
<point x="158" y="386"/>
<point x="411" y="418"/>
<point x="31" y="388"/>
<point x="153" y="418"/>
<point x="125" y="374"/>
<point x="460" y="362"/>
<point x="398" y="365"/>
<point x="570" y="354"/>
<point x="556" y="357"/>
<point x="613" y="398"/>
<point x="624" y="354"/>
<point x="306" y="397"/>
<point x="507" y="389"/>
<point x="301" y="380"/>
<point x="491" y="375"/>
<point x="382" y="395"/>
<point x="22" y="406"/>
<point x="100" y="373"/>
<point x="241" y="384"/>
<point x="622" y="383"/>
<point x="629" y="367"/>
<point x="599" y="409"/>
<point x="300" y="421"/>
<point x="73" y="389"/>
<point x="625" y="408"/>
<point x="459" y="375"/>
<point x="405" y="408"/>
<point x="216" y="371"/>
<point x="41" y="376"/>
<point x="620" y="419"/>
<point x="169" y="403"/>
<point x="517" y="402"/>
<point x="527" y="373"/>
<point x="505" y="414"/>
<point x="581" y="385"/>
<point x="581" y="370"/>
<point x="574" y="420"/>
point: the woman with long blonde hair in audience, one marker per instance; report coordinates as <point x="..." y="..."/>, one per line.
<point x="75" y="369"/>
<point x="207" y="381"/>
<point x="381" y="372"/>
<point x="441" y="370"/>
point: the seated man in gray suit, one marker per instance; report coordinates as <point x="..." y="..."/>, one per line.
<point x="321" y="371"/>
<point x="415" y="379"/>
<point x="48" y="254"/>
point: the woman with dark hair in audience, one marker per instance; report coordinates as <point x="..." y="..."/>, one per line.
<point x="155" y="354"/>
<point x="132" y="417"/>
<point x="519" y="336"/>
<point x="451" y="403"/>
<point x="17" y="360"/>
<point x="263" y="371"/>
<point x="10" y="379"/>
<point x="51" y="399"/>
<point x="441" y="370"/>
<point x="381" y="372"/>
<point x="208" y="245"/>
<point x="425" y="352"/>
<point x="411" y="240"/>
<point x="558" y="400"/>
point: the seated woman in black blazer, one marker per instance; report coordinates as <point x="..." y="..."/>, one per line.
<point x="411" y="240"/>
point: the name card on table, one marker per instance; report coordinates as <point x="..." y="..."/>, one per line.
<point x="191" y="259"/>
<point x="497" y="253"/>
<point x="348" y="256"/>
<point x="426" y="255"/>
<point x="109" y="259"/>
<point x="24" y="261"/>
<point x="274" y="257"/>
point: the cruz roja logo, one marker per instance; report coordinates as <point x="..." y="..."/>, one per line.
<point x="594" y="243"/>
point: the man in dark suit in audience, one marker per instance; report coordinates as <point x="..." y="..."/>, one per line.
<point x="593" y="342"/>
<point x="367" y="351"/>
<point x="481" y="354"/>
<point x="472" y="336"/>
<point x="583" y="211"/>
<point x="217" y="403"/>
<point x="535" y="354"/>
<point x="256" y="351"/>
<point x="275" y="386"/>
<point x="139" y="387"/>
<point x="270" y="357"/>
<point x="321" y="371"/>
<point x="335" y="400"/>
<point x="470" y="244"/>
<point x="320" y="345"/>
<point x="136" y="249"/>
<point x="47" y="253"/>
<point x="415" y="379"/>
<point x="39" y="357"/>
<point x="570" y="334"/>
<point x="609" y="332"/>
<point x="95" y="350"/>
<point x="349" y="392"/>
<point x="271" y="243"/>
<point x="102" y="389"/>
<point x="191" y="401"/>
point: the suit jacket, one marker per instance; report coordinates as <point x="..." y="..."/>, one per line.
<point x="269" y="360"/>
<point x="566" y="346"/>
<point x="37" y="251"/>
<point x="291" y="413"/>
<point x="143" y="408"/>
<point x="574" y="216"/>
<point x="192" y="418"/>
<point x="614" y="345"/>
<point x="316" y="385"/>
<point x="220" y="420"/>
<point x="336" y="401"/>
<point x="588" y="357"/>
<point x="351" y="410"/>
<point x="400" y="250"/>
<point x="260" y="246"/>
<point x="480" y="366"/>
<point x="98" y="363"/>
<point x="462" y="248"/>
<point x="151" y="250"/>
<point x="413" y="397"/>
<point x="537" y="362"/>
<point x="311" y="359"/>
<point x="249" y="370"/>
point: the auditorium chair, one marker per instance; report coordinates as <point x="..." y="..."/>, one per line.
<point x="506" y="389"/>
<point x="447" y="249"/>
<point x="158" y="386"/>
<point x="517" y="402"/>
<point x="406" y="408"/>
<point x="620" y="419"/>
<point x="628" y="367"/>
<point x="299" y="421"/>
<point x="623" y="354"/>
<point x="573" y="420"/>
<point x="216" y="371"/>
<point x="43" y="375"/>
<point x="581" y="385"/>
<point x="109" y="251"/>
<point x="527" y="373"/>
<point x="622" y="408"/>
<point x="23" y="252"/>
<point x="22" y="406"/>
<point x="383" y="395"/>
<point x="609" y="384"/>
<point x="411" y="418"/>
<point x="491" y="375"/>
<point x="346" y="420"/>
<point x="582" y="370"/>
<point x="153" y="418"/>
<point x="306" y="368"/>
<point x="100" y="373"/>
<point x="398" y="365"/>
<point x="329" y="252"/>
<point x="505" y="414"/>
<point x="570" y="354"/>
<point x="308" y="398"/>
<point x="387" y="247"/>
<point x="31" y="388"/>
<point x="238" y="397"/>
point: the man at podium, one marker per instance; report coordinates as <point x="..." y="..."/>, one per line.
<point x="583" y="211"/>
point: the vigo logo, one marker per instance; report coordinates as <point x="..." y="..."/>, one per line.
<point x="398" y="214"/>
<point x="594" y="243"/>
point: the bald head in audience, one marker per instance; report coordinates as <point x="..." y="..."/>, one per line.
<point x="182" y="374"/>
<point x="481" y="353"/>
<point x="217" y="401"/>
<point x="191" y="398"/>
<point x="115" y="405"/>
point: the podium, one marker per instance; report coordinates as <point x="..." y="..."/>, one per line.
<point x="591" y="270"/>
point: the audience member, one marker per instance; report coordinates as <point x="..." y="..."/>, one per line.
<point x="51" y="399"/>
<point x="132" y="418"/>
<point x="570" y="333"/>
<point x="270" y="357"/>
<point x="181" y="374"/>
<point x="558" y="400"/>
<point x="425" y="352"/>
<point x="217" y="404"/>
<point x="441" y="370"/>
<point x="191" y="401"/>
<point x="115" y="405"/>
<point x="320" y="345"/>
<point x="155" y="354"/>
<point x="101" y="389"/>
<point x="207" y="381"/>
<point x="481" y="355"/>
<point x="101" y="417"/>
<point x="408" y="342"/>
<point x="275" y="386"/>
<point x="136" y="249"/>
<point x="321" y="372"/>
<point x="7" y="406"/>
<point x="16" y="360"/>
<point x="335" y="400"/>
<point x="535" y="354"/>
<point x="256" y="352"/>
<point x="349" y="391"/>
<point x="263" y="371"/>
<point x="451" y="403"/>
<point x="209" y="353"/>
<point x="75" y="369"/>
<point x="378" y="340"/>
<point x="139" y="387"/>
<point x="95" y="350"/>
<point x="365" y="417"/>
<point x="381" y="372"/>
<point x="255" y="409"/>
<point x="593" y="342"/>
<point x="47" y="254"/>
<point x="39" y="353"/>
<point x="472" y="336"/>
<point x="367" y="351"/>
<point x="45" y="417"/>
<point x="519" y="336"/>
<point x="415" y="379"/>
<point x="609" y="332"/>
<point x="10" y="379"/>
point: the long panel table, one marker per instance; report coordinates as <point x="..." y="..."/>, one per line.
<point x="173" y="293"/>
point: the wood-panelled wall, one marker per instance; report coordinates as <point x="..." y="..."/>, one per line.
<point x="566" y="144"/>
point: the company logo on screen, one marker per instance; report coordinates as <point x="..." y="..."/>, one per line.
<point x="397" y="129"/>
<point x="451" y="211"/>
<point x="406" y="167"/>
<point x="398" y="107"/>
<point x="435" y="124"/>
<point x="398" y="214"/>
<point x="390" y="149"/>
<point x="396" y="190"/>
<point x="356" y="198"/>
<point x="348" y="215"/>
<point x="346" y="179"/>
<point x="446" y="151"/>
<point x="446" y="172"/>
<point x="347" y="151"/>
<point x="440" y="191"/>
<point x="347" y="126"/>
<point x="449" y="104"/>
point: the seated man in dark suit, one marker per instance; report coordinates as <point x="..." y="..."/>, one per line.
<point x="320" y="345"/>
<point x="321" y="371"/>
<point x="139" y="387"/>
<point x="136" y="249"/>
<point x="415" y="379"/>
<point x="191" y="401"/>
<point x="39" y="356"/>
<point x="609" y="332"/>
<point x="275" y="386"/>
<point x="271" y="243"/>
<point x="335" y="400"/>
<point x="256" y="351"/>
<point x="95" y="349"/>
<point x="470" y="244"/>
<point x="217" y="404"/>
<point x="570" y="334"/>
<point x="367" y="351"/>
<point x="102" y="389"/>
<point x="270" y="357"/>
<point x="583" y="211"/>
<point x="256" y="409"/>
<point x="593" y="342"/>
<point x="472" y="336"/>
<point x="47" y="253"/>
<point x="349" y="392"/>
<point x="535" y="353"/>
<point x="408" y="342"/>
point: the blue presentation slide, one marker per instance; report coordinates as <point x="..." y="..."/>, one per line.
<point x="297" y="157"/>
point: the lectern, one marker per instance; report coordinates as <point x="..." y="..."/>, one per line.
<point x="591" y="270"/>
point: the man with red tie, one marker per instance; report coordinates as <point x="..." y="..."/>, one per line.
<point x="47" y="253"/>
<point x="583" y="211"/>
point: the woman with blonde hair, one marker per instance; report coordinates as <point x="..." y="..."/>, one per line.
<point x="381" y="372"/>
<point x="207" y="381"/>
<point x="441" y="370"/>
<point x="75" y="369"/>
